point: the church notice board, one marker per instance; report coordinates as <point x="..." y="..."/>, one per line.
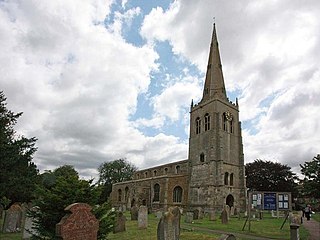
<point x="270" y="200"/>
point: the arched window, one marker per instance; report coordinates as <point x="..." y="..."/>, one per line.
<point x="146" y="174"/>
<point x="226" y="176"/>
<point x="231" y="126"/>
<point x="166" y="171"/>
<point x="177" y="194"/>
<point x="155" y="173"/>
<point x="156" y="192"/>
<point x="138" y="175"/>
<point x="126" y="194"/>
<point x="207" y="122"/>
<point x="231" y="179"/>
<point x="202" y="157"/>
<point x="119" y="195"/>
<point x="224" y="122"/>
<point x="177" y="169"/>
<point x="198" y="125"/>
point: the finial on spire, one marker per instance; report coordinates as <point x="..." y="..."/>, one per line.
<point x="191" y="103"/>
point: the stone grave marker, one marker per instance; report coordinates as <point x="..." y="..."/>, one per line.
<point x="28" y="230"/>
<point x="232" y="211"/>
<point x="227" y="208"/>
<point x="12" y="219"/>
<point x="189" y="217"/>
<point x="196" y="214"/>
<point x="120" y="223"/>
<point x="227" y="237"/>
<point x="158" y="214"/>
<point x="169" y="225"/>
<point x="143" y="217"/>
<point x="80" y="224"/>
<point x="134" y="213"/>
<point x="212" y="216"/>
<point x="224" y="217"/>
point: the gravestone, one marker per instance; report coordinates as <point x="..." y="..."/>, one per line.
<point x="158" y="214"/>
<point x="196" y="214"/>
<point x="134" y="213"/>
<point x="120" y="223"/>
<point x="169" y="225"/>
<point x="227" y="237"/>
<point x="212" y="216"/>
<point x="232" y="211"/>
<point x="12" y="219"/>
<point x="143" y="217"/>
<point x="227" y="208"/>
<point x="224" y="217"/>
<point x="80" y="224"/>
<point x="189" y="217"/>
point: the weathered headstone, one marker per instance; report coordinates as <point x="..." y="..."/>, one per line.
<point x="120" y="223"/>
<point x="227" y="208"/>
<point x="224" y="216"/>
<point x="232" y="211"/>
<point x="169" y="225"/>
<point x="134" y="213"/>
<point x="158" y="214"/>
<point x="143" y="217"/>
<point x="28" y="230"/>
<point x="12" y="219"/>
<point x="212" y="215"/>
<point x="196" y="214"/>
<point x="227" y="237"/>
<point x="79" y="225"/>
<point x="189" y="217"/>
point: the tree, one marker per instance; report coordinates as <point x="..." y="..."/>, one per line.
<point x="59" y="189"/>
<point x="311" y="181"/>
<point x="113" y="172"/>
<point x="18" y="174"/>
<point x="269" y="176"/>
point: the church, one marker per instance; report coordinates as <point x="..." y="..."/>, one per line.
<point x="213" y="176"/>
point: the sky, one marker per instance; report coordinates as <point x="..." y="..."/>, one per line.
<point x="99" y="80"/>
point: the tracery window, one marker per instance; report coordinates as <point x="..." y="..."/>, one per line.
<point x="231" y="126"/>
<point x="198" y="125"/>
<point x="231" y="179"/>
<point x="119" y="195"/>
<point x="206" y="122"/>
<point x="177" y="194"/>
<point x="156" y="192"/>
<point x="226" y="176"/>
<point x="202" y="157"/>
<point x="224" y="122"/>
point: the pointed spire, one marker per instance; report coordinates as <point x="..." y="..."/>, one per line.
<point x="214" y="83"/>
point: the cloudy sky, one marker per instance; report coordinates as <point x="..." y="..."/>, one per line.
<point x="99" y="80"/>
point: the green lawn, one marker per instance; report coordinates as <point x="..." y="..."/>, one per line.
<point x="268" y="227"/>
<point x="316" y="216"/>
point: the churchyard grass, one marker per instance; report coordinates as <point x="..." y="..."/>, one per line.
<point x="316" y="216"/>
<point x="10" y="236"/>
<point x="267" y="227"/>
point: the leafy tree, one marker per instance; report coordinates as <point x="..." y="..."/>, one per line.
<point x="311" y="181"/>
<point x="113" y="172"/>
<point x="269" y="176"/>
<point x="59" y="189"/>
<point x="18" y="174"/>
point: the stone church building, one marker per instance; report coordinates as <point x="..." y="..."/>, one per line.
<point x="213" y="175"/>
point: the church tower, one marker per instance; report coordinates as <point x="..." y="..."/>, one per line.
<point x="216" y="162"/>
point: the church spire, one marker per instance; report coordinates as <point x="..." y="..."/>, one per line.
<point x="214" y="83"/>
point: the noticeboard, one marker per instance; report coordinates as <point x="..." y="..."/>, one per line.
<point x="270" y="201"/>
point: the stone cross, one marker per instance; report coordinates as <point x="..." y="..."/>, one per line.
<point x="169" y="225"/>
<point x="143" y="217"/>
<point x="80" y="224"/>
<point x="120" y="223"/>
